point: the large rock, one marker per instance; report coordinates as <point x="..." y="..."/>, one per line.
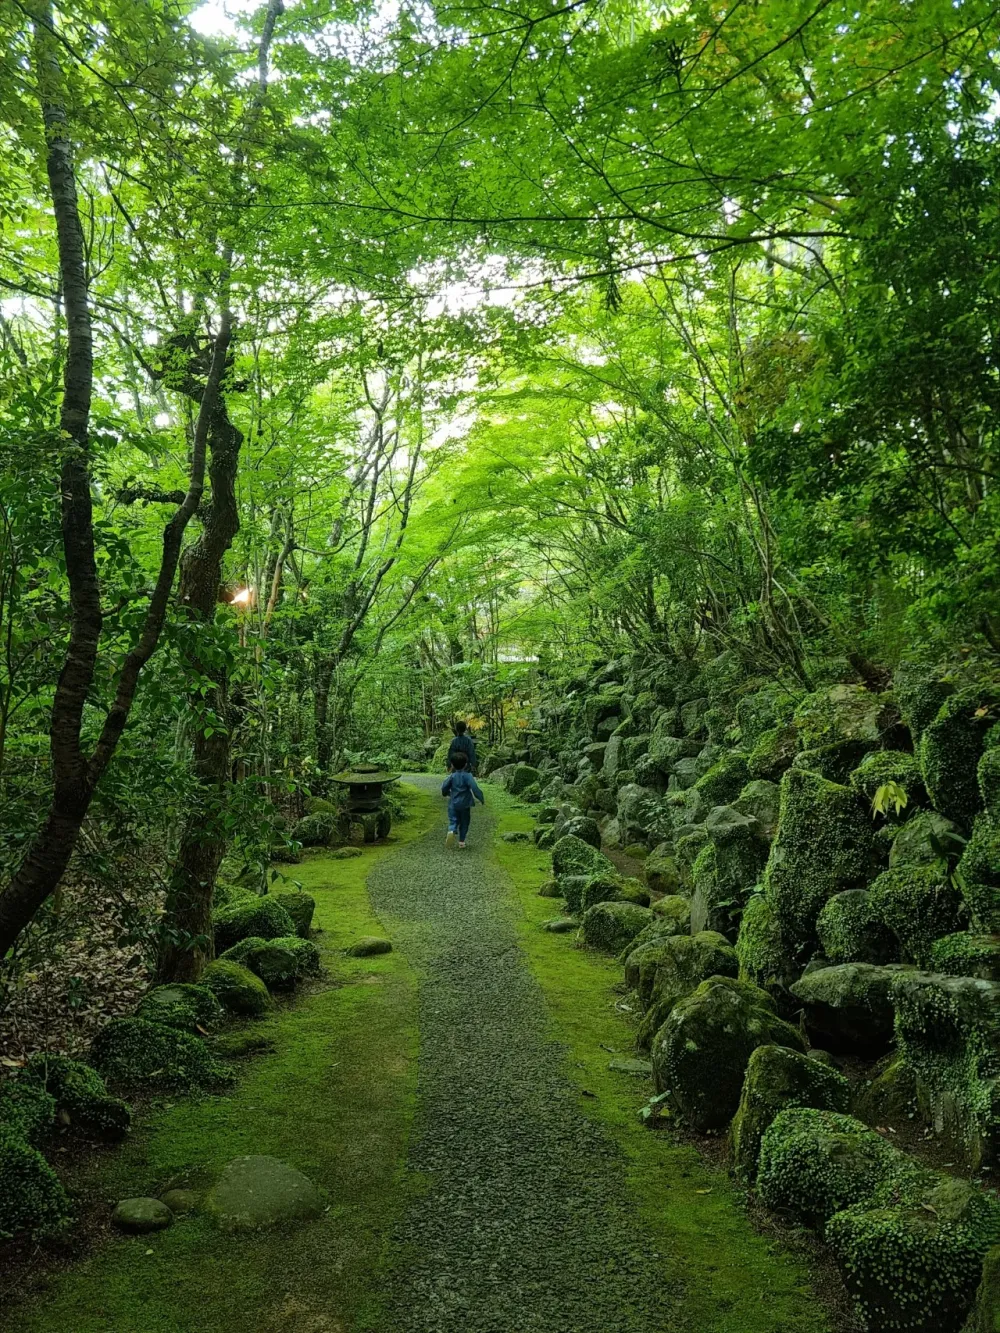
<point x="951" y="747"/>
<point x="132" y="1052"/>
<point x="823" y="846"/>
<point x="641" y="814"/>
<point x="573" y="856"/>
<point x="584" y="828"/>
<point x="773" y="753"/>
<point x="660" y="869"/>
<point x="237" y="989"/>
<point x="739" y="858"/>
<point x="761" y="801"/>
<point x="280" y="963"/>
<point x="520" y="778"/>
<point x="701" y="1052"/>
<point x="257" y="1192"/>
<point x="778" y="1079"/>
<point x="979" y="874"/>
<point x="685" y="962"/>
<point x="851" y="931"/>
<point x="725" y="779"/>
<point x="918" y="904"/>
<point x="182" y="1006"/>
<point x="610" y="926"/>
<point x="881" y="767"/>
<point x="759" y="948"/>
<point x="985" y="1317"/>
<point x="967" y="955"/>
<point x="843" y="713"/>
<point x="300" y="907"/>
<point x="849" y="1007"/>
<point x="948" y="1033"/>
<point x="264" y="918"/>
<point x="925" y="840"/>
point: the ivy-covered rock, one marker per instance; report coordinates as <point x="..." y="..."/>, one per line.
<point x="777" y="1079"/>
<point x="823" y="846"/>
<point x="701" y="1052"/>
<point x="915" y="1264"/>
<point x="889" y="1096"/>
<point x="660" y="869"/>
<point x="80" y="1096"/>
<point x="263" y="917"/>
<point x="814" y="1163"/>
<point x="665" y="751"/>
<point x="134" y="1053"/>
<point x="725" y="779"/>
<point x="849" y="1008"/>
<point x="979" y="874"/>
<point x="688" y="846"/>
<point x="951" y="747"/>
<point x="850" y="930"/>
<point x="761" y="955"/>
<point x="686" y="961"/>
<point x="611" y="926"/>
<point x="32" y="1198"/>
<point x="236" y="988"/>
<point x="928" y="839"/>
<point x="573" y="856"/>
<point x="967" y="955"/>
<point x="300" y="907"/>
<point x="762" y="710"/>
<point x="181" y="1005"/>
<point x="739" y="858"/>
<point x="948" y="1032"/>
<point x="881" y="767"/>
<point x="919" y="692"/>
<point x="773" y="753"/>
<point x="919" y="905"/>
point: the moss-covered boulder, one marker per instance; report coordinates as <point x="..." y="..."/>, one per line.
<point x="600" y="889"/>
<point x="823" y="846"/>
<point x="641" y="963"/>
<point x="685" y="962"/>
<point x="761" y="955"/>
<point x="583" y="827"/>
<point x="300" y="907"/>
<point x="778" y="1079"/>
<point x="519" y="777"/>
<point x="985" y="1317"/>
<point x="725" y="779"/>
<point x="889" y="1096"/>
<point x="280" y="963"/>
<point x="951" y="747"/>
<point x="257" y="1192"/>
<point x="181" y="1005"/>
<point x="761" y="710"/>
<point x="32" y="1198"/>
<point x="369" y="946"/>
<point x="675" y="911"/>
<point x="979" y="874"/>
<point x="927" y="839"/>
<point x="610" y="926"/>
<point x="773" y="753"/>
<point x="660" y="869"/>
<point x="237" y="989"/>
<point x="948" y="1032"/>
<point x="913" y="1261"/>
<point x="81" y="1098"/>
<point x="842" y="713"/>
<point x="701" y="1052"/>
<point x="919" y="905"/>
<point x="814" y="1163"/>
<point x="849" y="1008"/>
<point x="919" y="691"/>
<point x="739" y="858"/>
<point x="882" y="767"/>
<point x="761" y="801"/>
<point x="573" y="856"/>
<point x="967" y="955"/>
<point x="851" y="930"/>
<point x="641" y="815"/>
<point x="133" y="1053"/>
<point x="320" y="830"/>
<point x="263" y="917"/>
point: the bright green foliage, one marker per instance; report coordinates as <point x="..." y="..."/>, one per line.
<point x="701" y="1052"/>
<point x="264" y="917"/>
<point x="965" y="955"/>
<point x="181" y="1005"/>
<point x="133" y="1053"/>
<point x="31" y="1196"/>
<point x="950" y="749"/>
<point x="778" y="1079"/>
<point x="823" y="846"/>
<point x="881" y="767"/>
<point x="610" y="926"/>
<point x="919" y="905"/>
<point x="236" y="988"/>
<point x="300" y="907"/>
<point x="851" y="930"/>
<point x="80" y="1095"/>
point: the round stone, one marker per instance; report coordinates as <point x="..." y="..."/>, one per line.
<point x="181" y="1201"/>
<point x="255" y="1192"/>
<point x="368" y="946"/>
<point x="141" y="1215"/>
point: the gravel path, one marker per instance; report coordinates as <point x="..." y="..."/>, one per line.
<point x="525" y="1224"/>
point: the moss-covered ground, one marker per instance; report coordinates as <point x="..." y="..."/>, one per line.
<point x="334" y="1096"/>
<point x="734" y="1280"/>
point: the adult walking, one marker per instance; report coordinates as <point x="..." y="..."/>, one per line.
<point x="462" y="743"/>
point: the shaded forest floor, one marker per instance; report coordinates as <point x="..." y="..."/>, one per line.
<point x="335" y="1093"/>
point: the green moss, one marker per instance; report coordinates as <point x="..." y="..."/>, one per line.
<point x="688" y="847"/>
<point x="609" y="926"/>
<point x="263" y="917"/>
<point x="851" y="930"/>
<point x="734" y="1280"/>
<point x="27" y="1110"/>
<point x="181" y="1006"/>
<point x="761" y="711"/>
<point x="675" y="910"/>
<point x="573" y="856"/>
<point x="915" y="1265"/>
<point x="985" y="1316"/>
<point x="927" y="839"/>
<point x="237" y="989"/>
<point x="134" y="1053"/>
<point x="762" y="958"/>
<point x="841" y="713"/>
<point x="813" y="1163"/>
<point x="31" y="1196"/>
<point x="686" y="961"/>
<point x="600" y="889"/>
<point x="918" y="904"/>
<point x="280" y="962"/>
<point x="978" y="873"/>
<point x="300" y="907"/>
<point x="724" y="780"/>
<point x="319" y="830"/>
<point x="778" y="1079"/>
<point x="890" y="1097"/>
<point x="883" y="766"/>
<point x="823" y="846"/>
<point x="773" y="753"/>
<point x="80" y="1095"/>
<point x="701" y="1052"/>
<point x="919" y="693"/>
<point x="950" y="750"/>
<point x="965" y="955"/>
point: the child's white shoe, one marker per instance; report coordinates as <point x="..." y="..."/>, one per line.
<point x="450" y="839"/>
<point x="461" y="844"/>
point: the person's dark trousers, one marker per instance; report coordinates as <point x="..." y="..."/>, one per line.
<point x="463" y="818"/>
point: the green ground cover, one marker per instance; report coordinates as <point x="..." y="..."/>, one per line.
<point x="734" y="1280"/>
<point x="334" y="1097"/>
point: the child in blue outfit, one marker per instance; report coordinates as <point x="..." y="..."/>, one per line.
<point x="462" y="791"/>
